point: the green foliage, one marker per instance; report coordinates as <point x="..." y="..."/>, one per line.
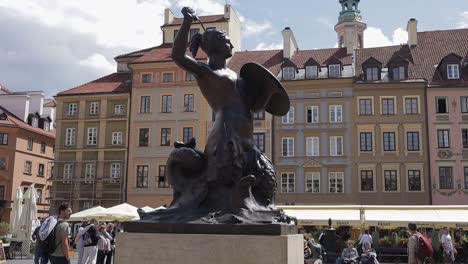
<point x="4" y="229"/>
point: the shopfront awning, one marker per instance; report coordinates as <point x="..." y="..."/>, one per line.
<point x="318" y="216"/>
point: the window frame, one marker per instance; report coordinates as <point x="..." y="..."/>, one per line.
<point x="90" y="172"/>
<point x="408" y="141"/>
<point x="68" y="170"/>
<point x="364" y="111"/>
<point x="141" y="143"/>
<point x="289" y="73"/>
<point x="334" y="152"/>
<point x="92" y="136"/>
<point x="288" y="118"/>
<point x="286" y="185"/>
<point x="166" y="103"/>
<point x="165" y="139"/>
<point x="289" y="151"/>
<point x="72" y="109"/>
<point x="146" y="77"/>
<point x="414" y="109"/>
<point x="186" y="135"/>
<point x="314" y="114"/>
<point x="119" y="109"/>
<point x="142" y="176"/>
<point x="453" y="71"/>
<point x="413" y="174"/>
<point x="334" y="73"/>
<point x="4" y="139"/>
<point x="364" y="146"/>
<point x="443" y="141"/>
<point x="386" y="108"/>
<point x="447" y="107"/>
<point x="400" y="73"/>
<point x="446" y="180"/>
<point x="93" y="108"/>
<point x="335" y="117"/>
<point x="366" y="176"/>
<point x="40" y="172"/>
<point x="117" y="138"/>
<point x="393" y="175"/>
<point x="189" y="77"/>
<point x="164" y="76"/>
<point x="70" y="136"/>
<point x="464" y="134"/>
<point x="30" y="145"/>
<point x="309" y="69"/>
<point x="336" y="175"/>
<point x="310" y="185"/>
<point x="189" y="102"/>
<point x="145" y="104"/>
<point x="115" y="170"/>
<point x="464" y="104"/>
<point x="259" y="138"/>
<point x="375" y="72"/>
<point x="312" y="150"/>
<point x="387" y="145"/>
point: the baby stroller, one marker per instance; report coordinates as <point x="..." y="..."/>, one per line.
<point x="370" y="258"/>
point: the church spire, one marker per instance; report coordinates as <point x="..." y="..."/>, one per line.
<point x="350" y="28"/>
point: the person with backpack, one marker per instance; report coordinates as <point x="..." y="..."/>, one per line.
<point x="419" y="247"/>
<point x="90" y="241"/>
<point x="53" y="236"/>
<point x="40" y="257"/>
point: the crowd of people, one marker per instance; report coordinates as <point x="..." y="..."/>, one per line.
<point x="94" y="242"/>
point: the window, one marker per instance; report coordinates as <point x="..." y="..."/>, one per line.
<point x="388" y="106"/>
<point x="165" y="136"/>
<point x="411" y="106"/>
<point x="168" y="77"/>
<point x="389" y="141"/>
<point x="142" y="176"/>
<point x="336" y="182"/>
<point x="336" y="146"/>
<point x="365" y="106"/>
<point x="313" y="182"/>
<point x="367" y="181"/>
<point x="288" y="184"/>
<point x="27" y="167"/>
<point x="259" y="141"/>
<point x="311" y="72"/>
<point x="464" y="104"/>
<point x="188" y="134"/>
<point x="259" y="115"/>
<point x="3" y="164"/>
<point x="115" y="171"/>
<point x="443" y="138"/>
<point x="93" y="108"/>
<point x="193" y="31"/>
<point x="399" y="73"/>
<point x="445" y="178"/>
<point x="334" y="70"/>
<point x="67" y="173"/>
<point x="366" y="141"/>
<point x="117" y="138"/>
<point x="70" y="134"/>
<point x="412" y="141"/>
<point x="336" y="113"/>
<point x="289" y="117"/>
<point x="391" y="180"/>
<point x="119" y="109"/>
<point x="166" y="106"/>
<point x="46" y="125"/>
<point x="465" y="138"/>
<point x="188" y="103"/>
<point x="287" y="147"/>
<point x="453" y="72"/>
<point x="72" y="107"/>
<point x="312" y="146"/>
<point x="90" y="172"/>
<point x="145" y="105"/>
<point x="3" y="139"/>
<point x="162" y="180"/>
<point x="147" y="78"/>
<point x="30" y="144"/>
<point x="372" y="74"/>
<point x="189" y="77"/>
<point x="92" y="136"/>
<point x="442" y="105"/>
<point x="35" y="122"/>
<point x="312" y="114"/>
<point x="39" y="196"/>
<point x="43" y="147"/>
<point x="414" y="180"/>
<point x="40" y="170"/>
<point x="465" y="173"/>
<point x="144" y="137"/>
<point x="288" y="73"/>
<point x="2" y="192"/>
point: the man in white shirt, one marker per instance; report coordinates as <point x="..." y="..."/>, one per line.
<point x="365" y="238"/>
<point x="446" y="240"/>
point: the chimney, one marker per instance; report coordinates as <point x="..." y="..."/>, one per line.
<point x="412" y="29"/>
<point x="289" y="43"/>
<point x="227" y="11"/>
<point x="168" y="16"/>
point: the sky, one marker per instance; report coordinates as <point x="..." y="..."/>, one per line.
<point x="55" y="45"/>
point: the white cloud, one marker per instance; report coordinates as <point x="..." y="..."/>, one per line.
<point x="250" y="27"/>
<point x="463" y="20"/>
<point x="98" y="62"/>
<point x="268" y="46"/>
<point x="374" y="37"/>
<point x="202" y="7"/>
<point x="324" y="21"/>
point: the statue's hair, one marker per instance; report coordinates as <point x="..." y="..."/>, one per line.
<point x="207" y="41"/>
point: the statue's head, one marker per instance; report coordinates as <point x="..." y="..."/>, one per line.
<point x="212" y="42"/>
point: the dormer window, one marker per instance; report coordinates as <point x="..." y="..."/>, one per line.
<point x="453" y="72"/>
<point x="311" y="72"/>
<point x="46" y="125"/>
<point x="288" y="73"/>
<point x="334" y="70"/>
<point x="398" y="73"/>
<point x="34" y="122"/>
<point x="372" y="74"/>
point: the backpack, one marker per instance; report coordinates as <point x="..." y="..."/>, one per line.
<point x="48" y="244"/>
<point x="424" y="249"/>
<point x="90" y="238"/>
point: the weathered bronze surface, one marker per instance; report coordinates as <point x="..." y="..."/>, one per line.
<point x="231" y="181"/>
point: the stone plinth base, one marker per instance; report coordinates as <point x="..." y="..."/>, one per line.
<point x="150" y="248"/>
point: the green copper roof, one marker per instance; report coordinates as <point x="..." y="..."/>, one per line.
<point x="350" y="12"/>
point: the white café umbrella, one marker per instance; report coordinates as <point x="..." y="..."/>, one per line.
<point x="87" y="214"/>
<point x="15" y="214"/>
<point x="28" y="214"/>
<point x="119" y="212"/>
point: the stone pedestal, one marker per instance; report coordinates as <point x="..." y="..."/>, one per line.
<point x="150" y="248"/>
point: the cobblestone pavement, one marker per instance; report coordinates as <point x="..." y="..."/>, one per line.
<point x="31" y="261"/>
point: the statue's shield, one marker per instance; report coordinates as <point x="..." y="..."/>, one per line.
<point x="263" y="90"/>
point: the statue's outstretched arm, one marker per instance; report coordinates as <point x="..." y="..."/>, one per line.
<point x="180" y="44"/>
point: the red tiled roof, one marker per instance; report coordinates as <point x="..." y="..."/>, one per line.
<point x="5" y="89"/>
<point x="14" y="121"/>
<point x="134" y="54"/>
<point x="162" y="53"/>
<point x="423" y="58"/>
<point x="113" y="83"/>
<point x="204" y="19"/>
<point x="273" y="59"/>
<point x="50" y="104"/>
<point x="270" y="59"/>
